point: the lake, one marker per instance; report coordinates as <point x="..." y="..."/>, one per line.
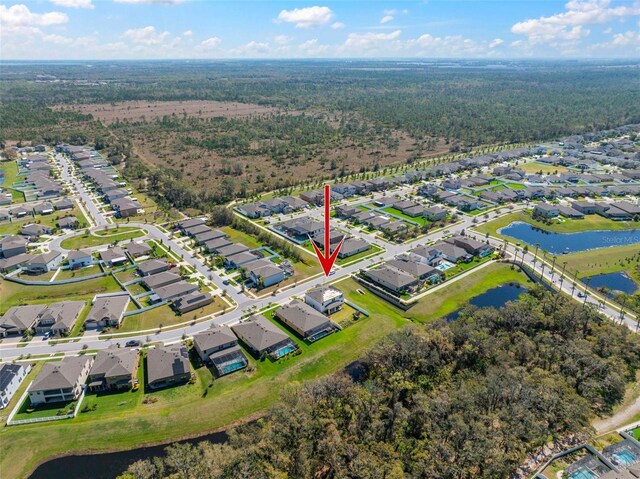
<point x="614" y="282"/>
<point x="558" y="243"/>
<point x="108" y="465"/>
<point x="494" y="298"/>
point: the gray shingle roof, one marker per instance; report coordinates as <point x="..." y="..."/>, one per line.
<point x="60" y="374"/>
<point x="301" y="316"/>
<point x="164" y="362"/>
<point x="260" y="333"/>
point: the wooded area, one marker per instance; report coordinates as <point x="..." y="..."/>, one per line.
<point x="466" y="399"/>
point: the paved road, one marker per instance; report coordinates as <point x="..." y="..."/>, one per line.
<point x="89" y="205"/>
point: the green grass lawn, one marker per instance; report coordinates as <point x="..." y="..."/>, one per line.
<point x="589" y="223"/>
<point x="636" y="433"/>
<point x="27" y="411"/>
<point x="78" y="273"/>
<point x="604" y="260"/>
<point x="418" y="219"/>
<point x="10" y="169"/>
<point x="193" y="408"/>
<point x="115" y="231"/>
<point x="515" y="186"/>
<point x="14" y="294"/>
<point x="374" y="250"/>
<point x="87" y="241"/>
<point x="51" y="220"/>
<point x="165" y="316"/>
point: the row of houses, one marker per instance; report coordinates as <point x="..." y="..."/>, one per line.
<point x="44" y="208"/>
<point x="410" y="272"/>
<point x="272" y="206"/>
<point x="617" y="211"/>
<point x="38" y="177"/>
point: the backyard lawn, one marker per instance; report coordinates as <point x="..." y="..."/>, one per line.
<point x="13" y="227"/>
<point x="605" y="260"/>
<point x="535" y="167"/>
<point x="10" y="169"/>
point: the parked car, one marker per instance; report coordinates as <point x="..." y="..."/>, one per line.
<point x="132" y="344"/>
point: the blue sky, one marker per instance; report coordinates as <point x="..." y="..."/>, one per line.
<point x="162" y="29"/>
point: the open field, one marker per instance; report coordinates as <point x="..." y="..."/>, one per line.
<point x="535" y="167"/>
<point x="151" y="110"/>
<point x="605" y="260"/>
<point x="14" y="294"/>
<point x="101" y="238"/>
<point x="589" y="223"/>
<point x="164" y="316"/>
<point x="10" y="169"/>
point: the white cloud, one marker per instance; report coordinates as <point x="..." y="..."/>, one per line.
<point x="496" y="42"/>
<point x="57" y="39"/>
<point x="390" y="12"/>
<point x="452" y="45"/>
<point x="308" y="17"/>
<point x="281" y="39"/>
<point x="212" y="42"/>
<point x="337" y="25"/>
<point x="626" y="39"/>
<point x="187" y="33"/>
<point x="145" y="36"/>
<point x="73" y="3"/>
<point x="370" y="39"/>
<point x="386" y="19"/>
<point x="157" y="2"/>
<point x="569" y="25"/>
<point x="20" y="16"/>
<point x="313" y="47"/>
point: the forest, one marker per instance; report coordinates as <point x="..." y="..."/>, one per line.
<point x="465" y="399"/>
<point x="327" y="119"/>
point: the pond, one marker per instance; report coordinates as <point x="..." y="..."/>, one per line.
<point x="558" y="243"/>
<point x="494" y="298"/>
<point x="108" y="465"/>
<point x="619" y="282"/>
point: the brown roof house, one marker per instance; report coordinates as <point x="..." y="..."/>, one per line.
<point x="167" y="366"/>
<point x="219" y="346"/>
<point x="60" y="381"/>
<point x="107" y="311"/>
<point x="59" y="318"/>
<point x="263" y="337"/>
<point x="308" y="323"/>
<point x="114" y="369"/>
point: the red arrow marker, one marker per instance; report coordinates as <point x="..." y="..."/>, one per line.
<point x="327" y="259"/>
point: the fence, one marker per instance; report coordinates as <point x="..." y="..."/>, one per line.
<point x="16" y="422"/>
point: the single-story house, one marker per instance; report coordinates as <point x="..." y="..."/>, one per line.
<point x="422" y="271"/>
<point x="263" y="337"/>
<point x="60" y="381"/>
<point x="107" y="311"/>
<point x="136" y="250"/>
<point x="214" y="245"/>
<point x="213" y="340"/>
<point x="190" y="223"/>
<point x="68" y="222"/>
<point x="13" y="246"/>
<point x="34" y="230"/>
<point x="113" y="256"/>
<point x="63" y="204"/>
<point x="173" y="291"/>
<point x="18" y="261"/>
<point x="569" y="212"/>
<point x="470" y="245"/>
<point x="240" y="259"/>
<point x="192" y="301"/>
<point x="264" y="273"/>
<point x="546" y="210"/>
<point x="202" y="238"/>
<point x="114" y="370"/>
<point x="307" y="322"/>
<point x="351" y="247"/>
<point x="161" y="279"/>
<point x="153" y="266"/>
<point x="167" y="366"/>
<point x="435" y="213"/>
<point x="393" y="279"/>
<point x="45" y="208"/>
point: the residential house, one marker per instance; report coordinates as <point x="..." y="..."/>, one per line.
<point x="422" y="271"/>
<point x="11" y="376"/>
<point x="214" y="245"/>
<point x="167" y="366"/>
<point x="113" y="256"/>
<point x="570" y="213"/>
<point x="45" y="208"/>
<point x="18" y="261"/>
<point x="470" y="245"/>
<point x="435" y="213"/>
<point x="125" y="207"/>
<point x="59" y="318"/>
<point x="190" y="223"/>
<point x="346" y="211"/>
<point x="219" y="346"/>
<point x="107" y="311"/>
<point x="173" y="291"/>
<point x="192" y="301"/>
<point x="325" y="299"/>
<point x="153" y="266"/>
<point x="79" y="259"/>
<point x="44" y="262"/>
<point x="13" y="246"/>
<point x="344" y="189"/>
<point x="202" y="238"/>
<point x="20" y="319"/>
<point x="393" y="279"/>
<point x="546" y="210"/>
<point x="34" y="230"/>
<point x="114" y="370"/>
<point x="196" y="230"/>
<point x="264" y="273"/>
<point x="263" y="337"/>
<point x="68" y="222"/>
<point x="585" y="207"/>
<point x="307" y="322"/>
<point x="136" y="250"/>
<point x="63" y="204"/>
<point x="60" y="381"/>
<point x="351" y="247"/>
<point x="161" y="279"/>
<point x="240" y="259"/>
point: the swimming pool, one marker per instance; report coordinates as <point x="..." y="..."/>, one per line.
<point x="582" y="474"/>
<point x="283" y="351"/>
<point x="444" y="266"/>
<point x="624" y="457"/>
<point x="233" y="366"/>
